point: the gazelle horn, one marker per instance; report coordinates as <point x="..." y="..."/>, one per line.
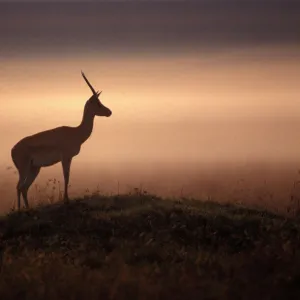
<point x="88" y="83"/>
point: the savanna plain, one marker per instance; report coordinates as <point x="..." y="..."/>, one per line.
<point x="190" y="190"/>
<point x="137" y="245"/>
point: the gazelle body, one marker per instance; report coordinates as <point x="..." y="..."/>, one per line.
<point x="49" y="147"/>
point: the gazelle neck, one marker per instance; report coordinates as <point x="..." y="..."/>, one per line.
<point x="86" y="126"/>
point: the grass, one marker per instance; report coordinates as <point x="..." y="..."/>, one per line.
<point x="138" y="246"/>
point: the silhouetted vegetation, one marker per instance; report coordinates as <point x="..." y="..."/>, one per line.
<point x="138" y="246"/>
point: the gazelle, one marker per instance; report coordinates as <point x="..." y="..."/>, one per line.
<point x="59" y="144"/>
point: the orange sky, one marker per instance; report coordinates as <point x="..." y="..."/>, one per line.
<point x="188" y="86"/>
<point x="240" y="105"/>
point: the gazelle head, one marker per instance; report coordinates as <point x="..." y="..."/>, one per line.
<point x="94" y="105"/>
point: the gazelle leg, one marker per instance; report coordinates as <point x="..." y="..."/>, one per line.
<point x="18" y="197"/>
<point x="23" y="165"/>
<point x="22" y="179"/>
<point x="66" y="164"/>
<point x="33" y="173"/>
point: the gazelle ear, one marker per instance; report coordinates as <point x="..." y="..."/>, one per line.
<point x="98" y="93"/>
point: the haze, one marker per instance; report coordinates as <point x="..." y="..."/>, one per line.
<point x="192" y="88"/>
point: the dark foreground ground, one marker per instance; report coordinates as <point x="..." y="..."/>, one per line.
<point x="141" y="247"/>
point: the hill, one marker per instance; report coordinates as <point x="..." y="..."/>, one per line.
<point x="139" y="246"/>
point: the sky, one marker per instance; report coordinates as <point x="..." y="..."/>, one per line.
<point x="189" y="84"/>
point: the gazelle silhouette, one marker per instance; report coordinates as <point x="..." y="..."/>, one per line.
<point x="59" y="144"/>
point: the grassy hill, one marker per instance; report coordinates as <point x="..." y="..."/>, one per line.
<point x="141" y="247"/>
